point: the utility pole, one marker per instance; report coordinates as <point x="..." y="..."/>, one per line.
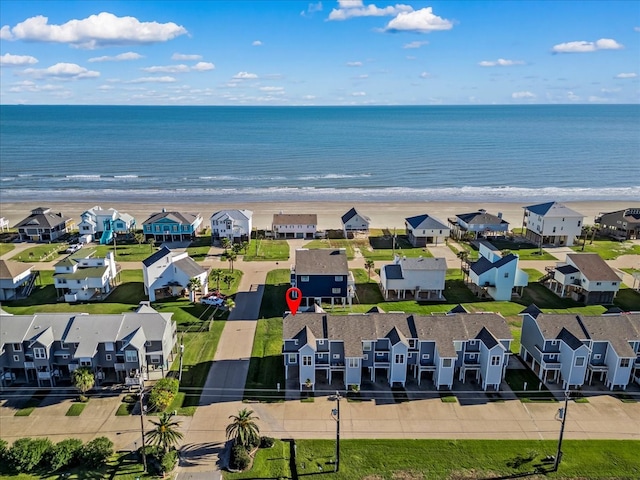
<point x="181" y="359"/>
<point x="562" y="413"/>
<point x="335" y="413"/>
<point x="144" y="455"/>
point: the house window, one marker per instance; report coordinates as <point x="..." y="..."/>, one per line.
<point x="580" y="361"/>
<point x="366" y="346"/>
<point x="399" y="358"/>
<point x="614" y="283"/>
<point x="336" y="290"/>
<point x="472" y="356"/>
<point x="338" y="278"/>
<point x="379" y="354"/>
<point x="624" y="363"/>
<point x="446" y="363"/>
<point x="320" y="342"/>
<point x="554" y="342"/>
<point x="16" y="358"/>
<point x="306" y="360"/>
<point x="64" y="346"/>
<point x="457" y="345"/>
<point x="39" y="353"/>
<point x="304" y="278"/>
<point x="472" y="343"/>
<point x="130" y="356"/>
<point x="336" y="356"/>
<point x="495" y="360"/>
<point x="17" y="347"/>
<point x="107" y="357"/>
<point x="109" y="346"/>
<point x="506" y="274"/>
<point x="354" y="362"/>
<point x="155" y="359"/>
<point x="412" y="343"/>
<point x="426" y="356"/>
<point x="292" y="358"/>
<point x="147" y="343"/>
<point x="597" y="356"/>
<point x="85" y="363"/>
<point x="157" y="228"/>
<point x="365" y="356"/>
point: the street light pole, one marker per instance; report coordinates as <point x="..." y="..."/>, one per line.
<point x="335" y="413"/>
<point x="562" y="413"/>
<point x="144" y="455"/>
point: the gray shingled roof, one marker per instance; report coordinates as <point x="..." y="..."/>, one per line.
<point x="481" y="218"/>
<point x="551" y="324"/>
<point x="352" y="213"/>
<point x="618" y="330"/>
<point x="46" y="219"/>
<point x="178" y="217"/>
<point x="189" y="266"/>
<point x="295" y="219"/>
<point x="322" y="261"/>
<point x="423" y="263"/>
<point x="593" y="267"/>
<point x="10" y="270"/>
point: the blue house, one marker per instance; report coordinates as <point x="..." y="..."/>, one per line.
<point x="172" y="226"/>
<point x="497" y="276"/>
<point x="323" y="276"/>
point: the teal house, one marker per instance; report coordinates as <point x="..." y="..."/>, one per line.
<point x="172" y="226"/>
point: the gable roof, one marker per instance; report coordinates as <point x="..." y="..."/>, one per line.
<point x="593" y="267"/>
<point x="481" y="217"/>
<point x="553" y="209"/>
<point x="233" y="214"/>
<point x="154" y="257"/>
<point x="393" y="272"/>
<point x="10" y="270"/>
<point x="423" y="263"/>
<point x="532" y="310"/>
<point x="352" y="213"/>
<point x="425" y="222"/>
<point x="178" y="217"/>
<point x="189" y="267"/>
<point x="295" y="219"/>
<point x="618" y="330"/>
<point x="484" y="265"/>
<point x="321" y="261"/>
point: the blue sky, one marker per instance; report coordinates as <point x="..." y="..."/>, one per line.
<point x="319" y="53"/>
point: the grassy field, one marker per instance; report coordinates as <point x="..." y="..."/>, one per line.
<point x="267" y="250"/>
<point x="126" y="252"/>
<point x="524" y="250"/>
<point x="41" y="253"/>
<point x="333" y="243"/>
<point x="225" y="287"/>
<point x="381" y="248"/>
<point x="199" y="248"/>
<point x="445" y="459"/>
<point x="608" y="249"/>
<point x="273" y="301"/>
<point x="266" y="368"/>
<point x="6" y="248"/>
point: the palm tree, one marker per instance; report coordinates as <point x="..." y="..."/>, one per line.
<point x="369" y="265"/>
<point x="216" y="275"/>
<point x="243" y="428"/>
<point x="228" y="279"/>
<point x="83" y="379"/>
<point x="165" y="435"/>
<point x="139" y="237"/>
<point x="230" y="303"/>
<point x="152" y="243"/>
<point x="594" y="229"/>
<point x="194" y="285"/>
<point x="586" y="230"/>
<point x="245" y="246"/>
<point x="237" y="247"/>
<point x="225" y="243"/>
<point x="231" y="256"/>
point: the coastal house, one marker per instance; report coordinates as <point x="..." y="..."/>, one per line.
<point x="584" y="277"/>
<point x="4" y="224"/>
<point x="234" y="225"/>
<point x="478" y="224"/>
<point x="44" y="226"/>
<point x="360" y="347"/>
<point x="423" y="230"/>
<point x="420" y="278"/>
<point x="82" y="276"/>
<point x="294" y="225"/>
<point x="102" y="224"/>
<point x="496" y="275"/>
<point x="552" y="224"/>
<point x="172" y="226"/>
<point x="573" y="349"/>
<point x="167" y="274"/>
<point x="16" y="280"/>
<point x="127" y="348"/>
<point x="621" y="224"/>
<point x="354" y="222"/>
<point x="323" y="275"/>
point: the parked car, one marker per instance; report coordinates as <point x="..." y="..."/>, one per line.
<point x="74" y="247"/>
<point x="216" y="301"/>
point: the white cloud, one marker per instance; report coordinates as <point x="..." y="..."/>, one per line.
<point x="354" y="64"/>
<point x="95" y="31"/>
<point x="32" y="87"/>
<point x="272" y="89"/>
<point x="5" y="33"/>
<point x="165" y="79"/>
<point x="596" y="99"/>
<point x="203" y="66"/>
<point x="359" y="94"/>
<point x="351" y="9"/>
<point x="63" y="71"/>
<point x="245" y="76"/>
<point x="582" y="46"/>
<point x="256" y="43"/>
<point x="421" y="21"/>
<point x="520" y="95"/>
<point x="610" y="90"/>
<point x="415" y="44"/>
<point x="106" y="87"/>
<point x="167" y="69"/>
<point x="8" y="60"/>
<point x="501" y="62"/>
<point x="425" y="75"/>
<point x="627" y="75"/>
<point x="311" y="9"/>
<point x="572" y="96"/>
<point x="181" y="57"/>
<point x="117" y="58"/>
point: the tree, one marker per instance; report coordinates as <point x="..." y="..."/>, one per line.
<point x="237" y="248"/>
<point x="245" y="246"/>
<point x="139" y="237"/>
<point x="463" y="256"/>
<point x="96" y="452"/>
<point x="165" y="434"/>
<point x="216" y="275"/>
<point x="594" y="229"/>
<point x="26" y="453"/>
<point x="152" y="243"/>
<point x="225" y="243"/>
<point x="228" y="279"/>
<point x="83" y="379"/>
<point x="194" y="286"/>
<point x="586" y="230"/>
<point x="231" y="257"/>
<point x="243" y="429"/>
<point x="230" y="303"/>
<point x="64" y="454"/>
<point x="369" y="265"/>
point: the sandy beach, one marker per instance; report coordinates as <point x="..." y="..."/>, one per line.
<point x="383" y="215"/>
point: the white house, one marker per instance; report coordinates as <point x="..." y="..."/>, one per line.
<point x="425" y="229"/>
<point x="4" y="224"/>
<point x="552" y="223"/>
<point x="167" y="274"/>
<point x="586" y="278"/>
<point x="294" y="225"/>
<point x="423" y="278"/>
<point x="354" y="222"/>
<point x="498" y="276"/>
<point x="16" y="279"/>
<point x="234" y="225"/>
<point x="82" y="277"/>
<point x="102" y="224"/>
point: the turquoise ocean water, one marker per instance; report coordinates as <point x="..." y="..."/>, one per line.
<point x="359" y="154"/>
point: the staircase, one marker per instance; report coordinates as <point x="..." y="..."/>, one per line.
<point x="106" y="238"/>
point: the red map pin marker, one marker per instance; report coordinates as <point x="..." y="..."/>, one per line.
<point x="294" y="303"/>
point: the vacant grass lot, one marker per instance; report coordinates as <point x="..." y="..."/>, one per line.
<point x="267" y="250"/>
<point x="524" y="250"/>
<point x="125" y="252"/>
<point x="266" y="368"/>
<point x="6" y="248"/>
<point x="41" y="253"/>
<point x="445" y="459"/>
<point x="381" y="248"/>
<point x="275" y="289"/>
<point x="199" y="248"/>
<point x="608" y="249"/>
<point x="333" y="243"/>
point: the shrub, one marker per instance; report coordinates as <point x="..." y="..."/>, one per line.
<point x="239" y="458"/>
<point x="25" y="454"/>
<point x="169" y="461"/>
<point x="130" y="398"/>
<point x="4" y="446"/>
<point x="64" y="454"/>
<point x="266" y="442"/>
<point x="163" y="393"/>
<point x="96" y="452"/>
<point x="169" y="384"/>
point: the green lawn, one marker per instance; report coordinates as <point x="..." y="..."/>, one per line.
<point x="41" y="253"/>
<point x="608" y="249"/>
<point x="381" y="248"/>
<point x="6" y="248"/>
<point x="445" y="459"/>
<point x="266" y="368"/>
<point x="627" y="299"/>
<point x="274" y="303"/>
<point x="225" y="287"/>
<point x="267" y="250"/>
<point x="526" y="386"/>
<point x="199" y="248"/>
<point x="534" y="274"/>
<point x="126" y="252"/>
<point x="333" y="243"/>
<point x="76" y="409"/>
<point x="524" y="250"/>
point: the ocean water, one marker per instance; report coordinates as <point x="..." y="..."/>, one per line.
<point x="359" y="154"/>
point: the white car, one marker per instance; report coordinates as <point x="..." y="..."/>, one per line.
<point x="74" y="247"/>
<point x="216" y="301"/>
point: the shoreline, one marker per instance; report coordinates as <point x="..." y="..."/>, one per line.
<point x="382" y="214"/>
